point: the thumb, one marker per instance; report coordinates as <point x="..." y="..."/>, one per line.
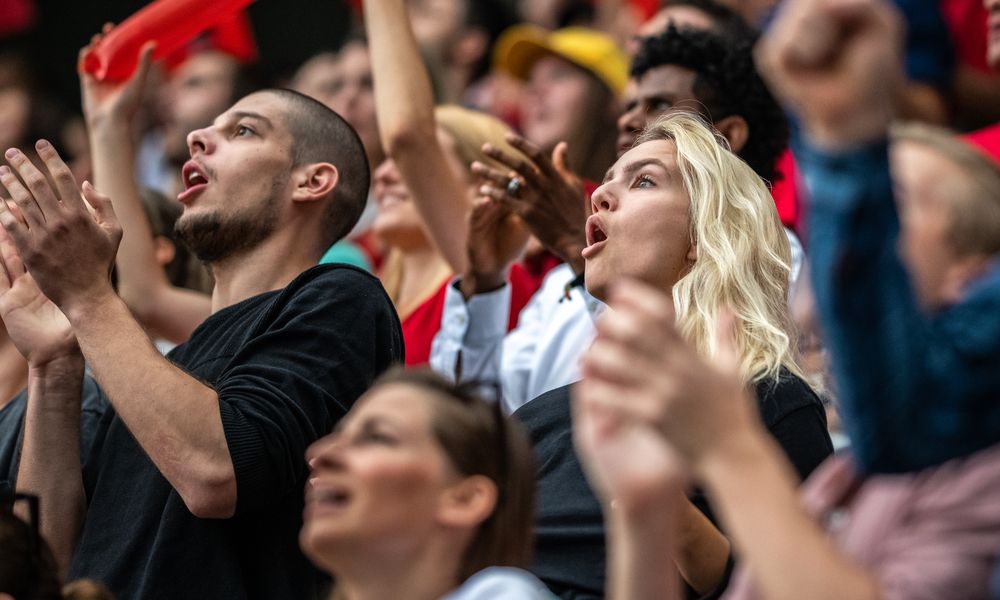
<point x="99" y="204"/>
<point x="559" y="154"/>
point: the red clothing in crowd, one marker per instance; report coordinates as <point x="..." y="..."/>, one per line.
<point x="420" y="327"/>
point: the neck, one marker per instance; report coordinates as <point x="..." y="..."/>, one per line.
<point x="271" y="265"/>
<point x="427" y="572"/>
<point x="13" y="369"/>
<point x="422" y="272"/>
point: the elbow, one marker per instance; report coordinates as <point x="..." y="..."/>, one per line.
<point x="408" y="138"/>
<point x="211" y="497"/>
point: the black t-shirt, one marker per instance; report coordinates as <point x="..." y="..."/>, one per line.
<point x="569" y="529"/>
<point x="286" y="366"/>
<point x="93" y="405"/>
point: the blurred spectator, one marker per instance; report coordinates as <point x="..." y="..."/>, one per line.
<point x="456" y="38"/>
<point x="573" y="79"/>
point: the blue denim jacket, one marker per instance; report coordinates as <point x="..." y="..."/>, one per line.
<point x="915" y="389"/>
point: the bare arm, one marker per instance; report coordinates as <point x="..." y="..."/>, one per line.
<point x="50" y="457"/>
<point x="175" y="418"/>
<point x="168" y="311"/>
<point x="405" y="109"/>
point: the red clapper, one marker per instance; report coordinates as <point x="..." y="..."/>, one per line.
<point x="169" y="23"/>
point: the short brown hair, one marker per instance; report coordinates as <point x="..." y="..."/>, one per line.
<point x="974" y="217"/>
<point x="479" y="439"/>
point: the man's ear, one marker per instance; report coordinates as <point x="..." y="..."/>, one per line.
<point x="164" y="250"/>
<point x="468" y="503"/>
<point x="314" y="181"/>
<point x="735" y="129"/>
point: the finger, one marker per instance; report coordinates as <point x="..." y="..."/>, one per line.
<point x="103" y="210"/>
<point x="655" y="306"/>
<point x="489" y="174"/>
<point x="500" y="195"/>
<point x="607" y="360"/>
<point x="527" y="170"/>
<point x="138" y="79"/>
<point x="13" y="265"/>
<point x="69" y="193"/>
<point x="533" y="152"/>
<point x="32" y="215"/>
<point x="12" y="223"/>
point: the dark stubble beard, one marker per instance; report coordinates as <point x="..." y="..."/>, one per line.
<point x="214" y="237"/>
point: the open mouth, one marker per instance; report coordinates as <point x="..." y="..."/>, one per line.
<point x="596" y="236"/>
<point x="328" y="496"/>
<point x="194" y="181"/>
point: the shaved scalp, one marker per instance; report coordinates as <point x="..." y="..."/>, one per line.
<point x="321" y="135"/>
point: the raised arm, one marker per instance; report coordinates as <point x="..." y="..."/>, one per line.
<point x="915" y="389"/>
<point x="168" y="311"/>
<point x="50" y="465"/>
<point x="404" y="105"/>
<point x="174" y="417"/>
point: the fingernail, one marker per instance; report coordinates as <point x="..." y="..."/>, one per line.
<point x="484" y="189"/>
<point x="42" y="145"/>
<point x="487" y="148"/>
<point x="11" y="153"/>
<point x="4" y="171"/>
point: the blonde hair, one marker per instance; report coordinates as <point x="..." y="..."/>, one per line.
<point x="974" y="216"/>
<point x="743" y="255"/>
<point x="470" y="129"/>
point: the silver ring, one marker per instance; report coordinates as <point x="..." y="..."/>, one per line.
<point x="513" y="187"/>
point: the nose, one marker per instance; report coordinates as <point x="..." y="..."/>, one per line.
<point x="632" y="121"/>
<point x="200" y="140"/>
<point x="603" y="199"/>
<point x="325" y="452"/>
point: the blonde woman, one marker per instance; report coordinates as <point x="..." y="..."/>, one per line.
<point x="682" y="214"/>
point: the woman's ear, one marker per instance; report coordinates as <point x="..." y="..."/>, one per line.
<point x="164" y="250"/>
<point x="314" y="181"/>
<point x="468" y="503"/>
<point x="735" y="129"/>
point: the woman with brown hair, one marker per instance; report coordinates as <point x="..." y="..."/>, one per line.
<point x="422" y="491"/>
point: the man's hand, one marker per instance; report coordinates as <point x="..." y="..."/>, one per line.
<point x="110" y="102"/>
<point x="496" y="239"/>
<point x="37" y="327"/>
<point x="837" y="64"/>
<point x="640" y="367"/>
<point x="67" y="251"/>
<point x="551" y="200"/>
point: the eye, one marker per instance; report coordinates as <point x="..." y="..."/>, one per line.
<point x="643" y="181"/>
<point x="242" y="131"/>
<point x="660" y="106"/>
<point x="375" y="435"/>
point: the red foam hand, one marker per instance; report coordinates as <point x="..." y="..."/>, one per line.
<point x="169" y="23"/>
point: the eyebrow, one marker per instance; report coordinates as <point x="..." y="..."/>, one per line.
<point x="236" y="115"/>
<point x="634" y="166"/>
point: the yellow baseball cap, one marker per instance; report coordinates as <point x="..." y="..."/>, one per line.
<point x="521" y="46"/>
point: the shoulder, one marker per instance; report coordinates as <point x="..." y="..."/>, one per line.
<point x="331" y="288"/>
<point x="778" y="397"/>
<point x="501" y="583"/>
<point x="335" y="277"/>
<point x="549" y="411"/>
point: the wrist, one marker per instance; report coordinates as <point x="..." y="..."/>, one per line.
<point x="473" y="283"/>
<point x="68" y="364"/>
<point x="110" y="127"/>
<point x="731" y="452"/>
<point x="83" y="307"/>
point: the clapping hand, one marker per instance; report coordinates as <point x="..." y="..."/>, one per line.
<point x="547" y="196"/>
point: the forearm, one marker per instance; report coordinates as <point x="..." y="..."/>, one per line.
<point x="50" y="456"/>
<point x="174" y="417"/>
<point x="702" y="552"/>
<point x="640" y="544"/>
<point x="753" y="490"/>
<point x="142" y="283"/>
<point x="408" y="130"/>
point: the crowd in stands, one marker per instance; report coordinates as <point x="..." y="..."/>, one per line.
<point x="502" y="300"/>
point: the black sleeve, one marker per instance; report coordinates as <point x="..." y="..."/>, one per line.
<point x="803" y="435"/>
<point x="290" y="384"/>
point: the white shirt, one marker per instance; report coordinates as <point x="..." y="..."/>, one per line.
<point x="501" y="583"/>
<point x="540" y="354"/>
